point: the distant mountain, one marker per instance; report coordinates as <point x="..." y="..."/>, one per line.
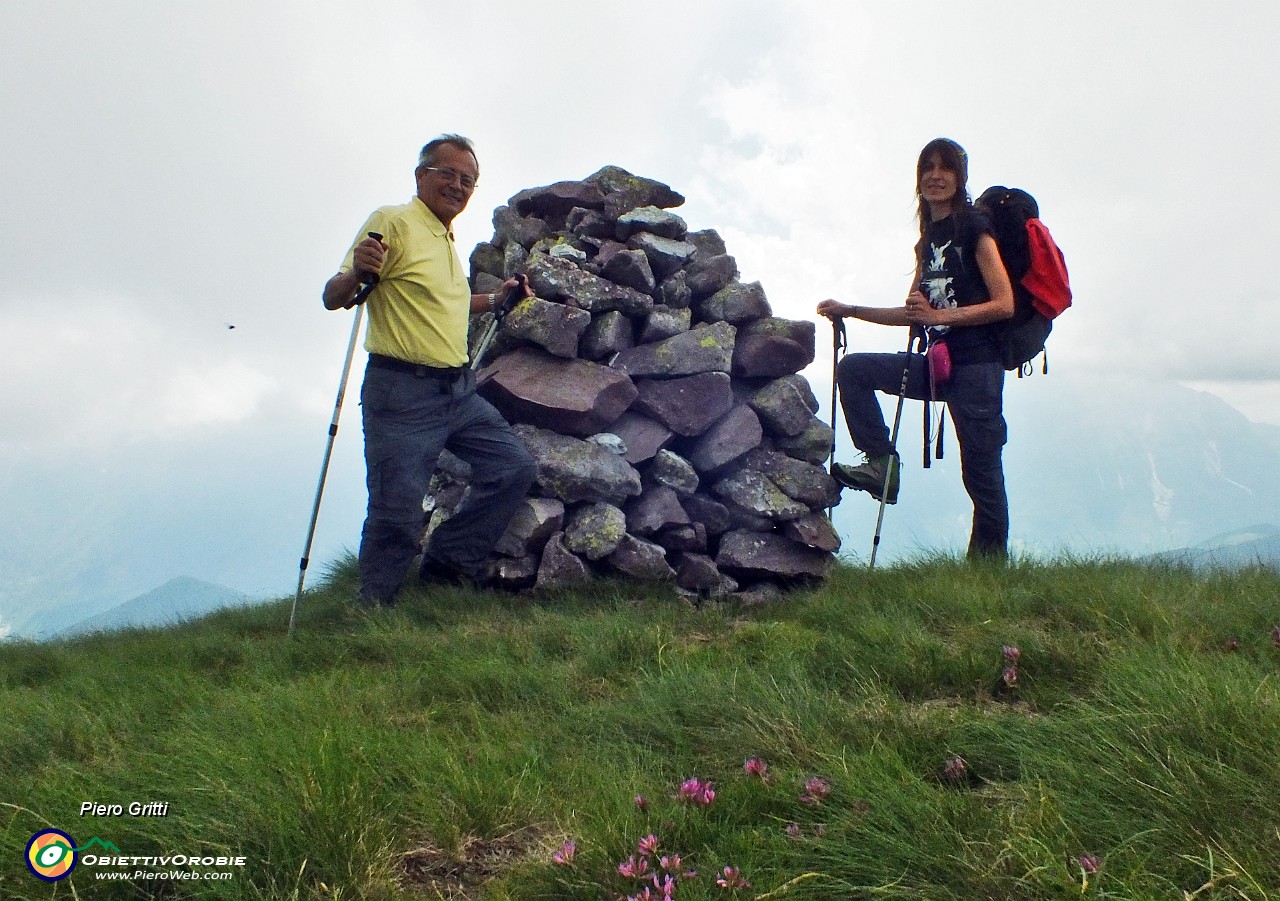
<point x="1254" y="546"/>
<point x="176" y="600"/>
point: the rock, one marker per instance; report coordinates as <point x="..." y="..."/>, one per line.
<point x="674" y="292"/>
<point x="574" y="397"/>
<point x="587" y="223"/>
<point x="786" y="405"/>
<point x="554" y="327"/>
<point x="675" y="472"/>
<point x="533" y="523"/>
<point x="574" y="470"/>
<point x="558" y="199"/>
<point x="641" y="559"/>
<point x="656" y="509"/>
<point x="737" y="432"/>
<point x="767" y="556"/>
<point x="712" y="514"/>
<point x="514" y="573"/>
<point x="594" y="530"/>
<point x="652" y="220"/>
<point x="624" y="191"/>
<point x="813" y="445"/>
<point x="754" y="493"/>
<point x="707" y="275"/>
<point x="665" y="255"/>
<point x="773" y="347"/>
<point x="487" y="258"/>
<point x="736" y="303"/>
<point x="814" y="530"/>
<point x="563" y="280"/>
<point x="509" y="226"/>
<point x="807" y="483"/>
<point x="629" y="268"/>
<point x="696" y="572"/>
<point x="610" y="442"/>
<point x="643" y="436"/>
<point x="708" y="243"/>
<point x="664" y="322"/>
<point x="704" y="349"/>
<point x="689" y="405"/>
<point x="560" y="568"/>
<point x="608" y="334"/>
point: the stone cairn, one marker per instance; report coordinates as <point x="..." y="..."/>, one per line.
<point x="674" y="438"/>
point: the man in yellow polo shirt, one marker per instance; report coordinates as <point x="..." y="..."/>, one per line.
<point x="419" y="394"/>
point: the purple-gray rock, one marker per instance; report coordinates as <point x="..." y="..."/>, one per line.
<point x="590" y="223"/>
<point x="641" y="559"/>
<point x="656" y="509"/>
<point x="813" y="445"/>
<point x="533" y="523"/>
<point x="674" y="292"/>
<point x="689" y="405"/>
<point x="664" y="323"/>
<point x="708" y="242"/>
<point x="737" y="432"/>
<point x="665" y="255"/>
<point x="629" y="268"/>
<point x="594" y="530"/>
<point x="514" y="573"/>
<point x="674" y="471"/>
<point x="692" y="537"/>
<point x="508" y="226"/>
<point x="769" y="556"/>
<point x="574" y="397"/>
<point x="643" y="436"/>
<point x="554" y="327"/>
<point x="707" y="275"/>
<point x="736" y="302"/>
<point x="558" y="199"/>
<point x="703" y="349"/>
<point x="709" y="512"/>
<point x="560" y="568"/>
<point x="624" y="191"/>
<point x="563" y="280"/>
<point x="696" y="572"/>
<point x="608" y="334"/>
<point x="486" y="258"/>
<point x="574" y="470"/>
<point x="814" y="530"/>
<point x="770" y="348"/>
<point x="652" y="220"/>
<point x="785" y="405"/>
<point x="807" y="483"/>
<point x="754" y="493"/>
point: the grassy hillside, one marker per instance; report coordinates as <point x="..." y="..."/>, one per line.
<point x="940" y="731"/>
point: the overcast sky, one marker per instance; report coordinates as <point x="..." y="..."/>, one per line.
<point x="172" y="169"/>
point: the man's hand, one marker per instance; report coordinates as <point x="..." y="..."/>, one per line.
<point x="834" y="309"/>
<point x="367" y="258"/>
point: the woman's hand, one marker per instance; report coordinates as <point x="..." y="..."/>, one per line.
<point x="834" y="309"/>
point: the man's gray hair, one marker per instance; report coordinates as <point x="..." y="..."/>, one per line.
<point x="428" y="155"/>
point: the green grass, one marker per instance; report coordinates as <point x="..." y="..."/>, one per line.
<point x="448" y="749"/>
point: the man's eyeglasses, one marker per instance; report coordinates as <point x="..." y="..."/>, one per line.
<point x="468" y="183"/>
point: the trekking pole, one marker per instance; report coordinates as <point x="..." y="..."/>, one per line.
<point x="839" y="342"/>
<point x="893" y="443"/>
<point x="370" y="279"/>
<point x="499" y="313"/>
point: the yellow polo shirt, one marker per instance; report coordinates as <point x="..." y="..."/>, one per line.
<point x="419" y="310"/>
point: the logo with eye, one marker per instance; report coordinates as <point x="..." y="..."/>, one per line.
<point x="51" y="855"/>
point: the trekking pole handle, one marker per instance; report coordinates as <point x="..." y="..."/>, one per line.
<point x="514" y="293"/>
<point x="368" y="279"/>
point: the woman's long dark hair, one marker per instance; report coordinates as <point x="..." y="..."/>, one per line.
<point x="955" y="160"/>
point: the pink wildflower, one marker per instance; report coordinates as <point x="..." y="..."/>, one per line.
<point x="815" y="790"/>
<point x="956" y="768"/>
<point x="1275" y="636"/>
<point x="1233" y="644"/>
<point x="648" y="845"/>
<point x="732" y="879"/>
<point x="633" y="867"/>
<point x="754" y="766"/>
<point x="642" y="802"/>
<point x="1088" y="863"/>
<point x="1010" y="676"/>
<point x="1011" y="653"/>
<point x="564" y="856"/>
<point x="695" y="791"/>
<point x="666" y="885"/>
<point x="670" y="862"/>
<point x="794" y="831"/>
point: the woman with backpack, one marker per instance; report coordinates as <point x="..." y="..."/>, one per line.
<point x="958" y="298"/>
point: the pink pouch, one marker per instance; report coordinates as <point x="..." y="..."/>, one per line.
<point x="939" y="359"/>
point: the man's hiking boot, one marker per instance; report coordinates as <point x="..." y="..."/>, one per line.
<point x="869" y="476"/>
